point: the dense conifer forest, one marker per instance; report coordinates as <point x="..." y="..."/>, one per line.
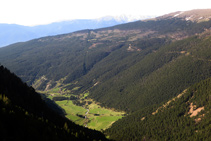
<point x="172" y="121"/>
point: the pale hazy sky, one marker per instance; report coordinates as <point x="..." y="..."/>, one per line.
<point x="34" y="12"/>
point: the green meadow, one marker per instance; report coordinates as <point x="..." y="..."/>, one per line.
<point x="102" y="118"/>
<point x="72" y="111"/>
<point x="90" y="115"/>
<point x="98" y="118"/>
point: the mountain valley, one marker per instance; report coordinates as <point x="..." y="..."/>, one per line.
<point x="147" y="78"/>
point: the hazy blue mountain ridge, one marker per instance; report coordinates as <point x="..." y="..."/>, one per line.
<point x="12" y="33"/>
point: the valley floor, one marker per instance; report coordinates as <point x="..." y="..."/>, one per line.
<point x="83" y="110"/>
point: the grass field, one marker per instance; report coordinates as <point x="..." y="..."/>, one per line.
<point x="72" y="111"/>
<point x="101" y="118"/>
<point x="91" y="115"/>
<point x="85" y="95"/>
<point x="102" y="122"/>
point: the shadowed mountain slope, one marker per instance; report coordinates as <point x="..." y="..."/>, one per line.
<point x="25" y="116"/>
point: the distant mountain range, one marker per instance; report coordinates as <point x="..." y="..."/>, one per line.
<point x="12" y="33"/>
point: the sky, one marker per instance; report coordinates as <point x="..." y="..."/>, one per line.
<point x="36" y="12"/>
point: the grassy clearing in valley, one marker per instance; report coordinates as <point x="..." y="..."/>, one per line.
<point x="72" y="111"/>
<point x="91" y="115"/>
<point x="101" y="118"/>
<point x="102" y="122"/>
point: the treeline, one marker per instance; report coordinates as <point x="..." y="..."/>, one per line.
<point x="25" y="116"/>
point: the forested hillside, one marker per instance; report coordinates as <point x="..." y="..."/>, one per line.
<point x="185" y="117"/>
<point x="25" y="116"/>
<point x="134" y="67"/>
<point x="158" y="76"/>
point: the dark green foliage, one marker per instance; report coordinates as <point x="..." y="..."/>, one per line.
<point x="170" y="123"/>
<point x="60" y="98"/>
<point x="50" y="103"/>
<point x="157" y="77"/>
<point x="25" y="116"/>
<point x="79" y="103"/>
<point x="73" y="97"/>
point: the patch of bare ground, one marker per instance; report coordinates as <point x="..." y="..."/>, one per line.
<point x="177" y="35"/>
<point x="139" y="35"/>
<point x="199" y="119"/>
<point x="193" y="111"/>
<point x="94" y="45"/>
<point x="143" y="118"/>
<point x="180" y="52"/>
<point x="68" y="36"/>
<point x="132" y="48"/>
<point x="116" y="33"/>
<point x="96" y="83"/>
<point x="47" y="87"/>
